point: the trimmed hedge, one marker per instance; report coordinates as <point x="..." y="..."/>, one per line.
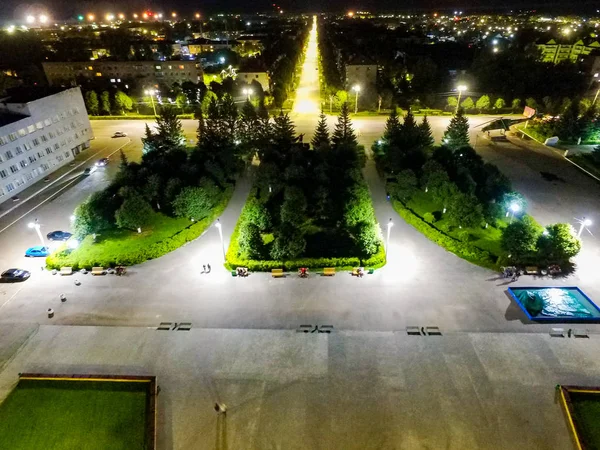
<point x="233" y="258"/>
<point x="137" y="117"/>
<point x="72" y="259"/>
<point x="460" y="249"/>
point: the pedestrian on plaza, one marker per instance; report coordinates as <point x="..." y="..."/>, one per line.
<point x="209" y="269"/>
<point x="569" y="332"/>
<point x="220" y="408"/>
<point x="203" y="268"/>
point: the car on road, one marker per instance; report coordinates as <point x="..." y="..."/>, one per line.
<point x="37" y="251"/>
<point x="90" y="170"/>
<point x="102" y="162"/>
<point x="59" y="235"/>
<point x="119" y="134"/>
<point x="14" y="275"/>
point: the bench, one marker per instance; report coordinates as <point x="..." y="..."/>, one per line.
<point x="97" y="270"/>
<point x="355" y="272"/>
<point x="329" y="271"/>
<point x="277" y="273"/>
<point x="531" y="270"/>
<point x="557" y="332"/>
<point x="66" y="271"/>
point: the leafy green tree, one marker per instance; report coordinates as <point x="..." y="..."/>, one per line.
<point x="293" y="208"/>
<point x="483" y="103"/>
<point x="570" y="126"/>
<point x="464" y="210"/>
<point x="134" y="213"/>
<point x="467" y="104"/>
<point x="341" y="97"/>
<point x="559" y="243"/>
<point x="406" y="185"/>
<point x="532" y="103"/>
<point x="457" y="133"/>
<point x="499" y="103"/>
<point x="443" y="192"/>
<point x="181" y="100"/>
<point x="289" y="242"/>
<point x="433" y="174"/>
<point x="343" y="134"/>
<point x="95" y="214"/>
<point x="452" y="102"/>
<point x="367" y="238"/>
<point x="153" y="189"/>
<point x="519" y="238"/>
<point x="105" y="103"/>
<point x="516" y="104"/>
<point x="251" y="242"/>
<point x="320" y="139"/>
<point x="358" y="207"/>
<point x="257" y="214"/>
<point x="196" y="202"/>
<point x="123" y="102"/>
<point x="91" y="103"/>
<point x="209" y="97"/>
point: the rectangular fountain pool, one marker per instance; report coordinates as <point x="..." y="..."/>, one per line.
<point x="557" y="304"/>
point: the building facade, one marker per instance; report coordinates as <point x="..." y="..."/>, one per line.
<point x="39" y="135"/>
<point x="362" y="73"/>
<point x="150" y="72"/>
<point x="554" y="52"/>
<point x="260" y="77"/>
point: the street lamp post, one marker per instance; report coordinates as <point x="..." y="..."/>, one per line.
<point x="583" y="223"/>
<point x="35" y="225"/>
<point x="387" y="243"/>
<point x="356" y="88"/>
<point x="219" y="227"/>
<point x="460" y="90"/>
<point x="151" y="93"/>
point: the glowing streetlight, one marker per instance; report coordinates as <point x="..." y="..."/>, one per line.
<point x="43" y="18"/>
<point x="460" y="90"/>
<point x="151" y="93"/>
<point x="583" y="223"/>
<point x="145" y="15"/>
<point x="356" y="88"/>
<point x="219" y="227"/>
<point x="222" y="60"/>
<point x="91" y="17"/>
<point x="135" y="16"/>
<point x="121" y="16"/>
<point x="514" y="208"/>
<point x="247" y="92"/>
<point x="35" y="225"/>
<point x="110" y="17"/>
<point x="387" y="243"/>
<point x="197" y="15"/>
<point x="30" y="19"/>
<point x="173" y="15"/>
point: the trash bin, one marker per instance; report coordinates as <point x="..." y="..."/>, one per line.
<point x="50" y="313"/>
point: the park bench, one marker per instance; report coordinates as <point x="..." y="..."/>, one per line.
<point x="98" y="271"/>
<point x="557" y="332"/>
<point x="277" y="273"/>
<point x="329" y="271"/>
<point x="66" y="271"/>
<point x="531" y="270"/>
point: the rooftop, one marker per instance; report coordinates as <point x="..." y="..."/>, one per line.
<point x="6" y="118"/>
<point x="28" y="94"/>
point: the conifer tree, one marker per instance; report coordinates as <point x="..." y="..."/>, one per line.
<point x="392" y="127"/>
<point x="321" y="136"/>
<point x="283" y="132"/>
<point x="457" y="133"/>
<point x="344" y="133"/>
<point x="425" y="135"/>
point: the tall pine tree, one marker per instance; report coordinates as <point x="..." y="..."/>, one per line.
<point x="321" y="136"/>
<point x="392" y="128"/>
<point x="344" y="135"/>
<point x="425" y="135"/>
<point x="457" y="133"/>
<point x="284" y="134"/>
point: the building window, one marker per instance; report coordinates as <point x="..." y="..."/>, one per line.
<point x="52" y="135"/>
<point x="59" y="158"/>
<point x="23" y="164"/>
<point x="36" y="142"/>
<point x="19" y="182"/>
<point x="27" y="145"/>
<point x="45" y="167"/>
<point x="3" y="140"/>
<point x="28" y="177"/>
<point x="48" y="150"/>
<point x="14" y="168"/>
<point x="55" y="119"/>
<point x="10" y="187"/>
<point x="32" y="159"/>
<point x="31" y="128"/>
<point x="157" y="67"/>
<point x="67" y="154"/>
<point x="44" y="138"/>
<point x="1" y="192"/>
<point x="56" y="146"/>
<point x="13" y="136"/>
<point x="3" y="174"/>
<point x="9" y="155"/>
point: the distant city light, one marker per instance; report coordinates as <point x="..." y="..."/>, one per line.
<point x="110" y="17"/>
<point x="350" y="14"/>
<point x="91" y="17"/>
<point x="80" y="18"/>
<point x="197" y="15"/>
<point x="135" y="16"/>
<point x="43" y="18"/>
<point x="121" y="16"/>
<point x="173" y="14"/>
<point x="30" y="19"/>
<point x="222" y="60"/>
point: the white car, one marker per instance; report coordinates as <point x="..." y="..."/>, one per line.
<point x="119" y="134"/>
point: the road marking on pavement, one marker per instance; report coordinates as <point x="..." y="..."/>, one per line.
<point x="13" y="296"/>
<point x="57" y="192"/>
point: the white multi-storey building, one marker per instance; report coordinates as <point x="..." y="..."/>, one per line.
<point x="39" y="134"/>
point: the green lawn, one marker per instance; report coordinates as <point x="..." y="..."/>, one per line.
<point x="587" y="413"/>
<point x="69" y="415"/>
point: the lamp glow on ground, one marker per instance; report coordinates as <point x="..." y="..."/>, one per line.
<point x="387" y="243"/>
<point x="220" y="228"/>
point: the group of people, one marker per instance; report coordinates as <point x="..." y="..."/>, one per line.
<point x="206" y="268"/>
<point x="303" y="272"/>
<point x="511" y="272"/>
<point x="241" y="271"/>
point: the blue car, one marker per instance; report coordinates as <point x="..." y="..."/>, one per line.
<point x="34" y="252"/>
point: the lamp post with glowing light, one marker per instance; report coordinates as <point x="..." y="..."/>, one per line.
<point x="460" y="90"/>
<point x="247" y="92"/>
<point x="514" y="208"/>
<point x="35" y="225"/>
<point x="387" y="242"/>
<point x="219" y="227"/>
<point x="583" y="223"/>
<point x="151" y="93"/>
<point x="356" y="88"/>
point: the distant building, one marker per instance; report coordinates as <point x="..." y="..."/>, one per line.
<point x="40" y="131"/>
<point x="260" y="77"/>
<point x="555" y="53"/>
<point x="150" y="72"/>
<point x="198" y="46"/>
<point x="362" y="72"/>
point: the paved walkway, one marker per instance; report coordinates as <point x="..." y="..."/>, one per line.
<point x="347" y="390"/>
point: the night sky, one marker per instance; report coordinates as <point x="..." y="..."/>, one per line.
<point x="16" y="9"/>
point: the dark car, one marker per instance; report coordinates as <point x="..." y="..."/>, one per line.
<point x="59" y="235"/>
<point x="14" y="275"/>
<point x="102" y="162"/>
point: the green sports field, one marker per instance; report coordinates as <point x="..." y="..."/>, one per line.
<point x="83" y="415"/>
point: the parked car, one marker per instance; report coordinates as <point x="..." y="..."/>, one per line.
<point x="14" y="275"/>
<point x="119" y="134"/>
<point x="37" y="251"/>
<point x="59" y="235"/>
<point x="102" y="162"/>
<point x="90" y="170"/>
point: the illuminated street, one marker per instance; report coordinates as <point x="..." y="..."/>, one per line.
<point x="308" y="96"/>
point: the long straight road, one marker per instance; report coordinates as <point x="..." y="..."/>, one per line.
<point x="308" y="96"/>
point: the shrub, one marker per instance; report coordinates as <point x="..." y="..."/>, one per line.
<point x="428" y="217"/>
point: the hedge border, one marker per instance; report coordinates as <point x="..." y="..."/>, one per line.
<point x="345" y="263"/>
<point x="465" y="251"/>
<point x="156" y="250"/>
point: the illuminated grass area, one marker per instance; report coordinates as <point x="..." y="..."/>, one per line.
<point x="83" y="415"/>
<point x="586" y="409"/>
